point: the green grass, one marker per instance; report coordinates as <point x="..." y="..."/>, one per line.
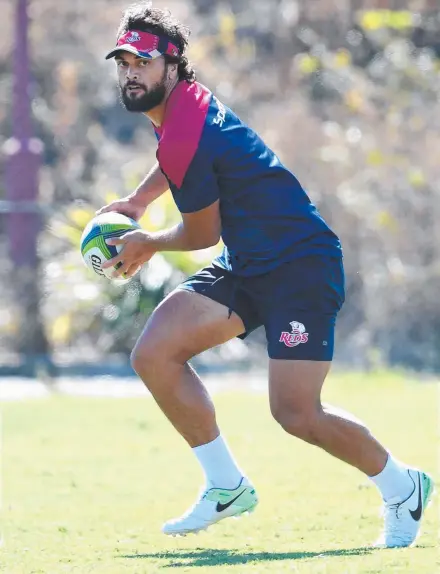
<point x="88" y="482"/>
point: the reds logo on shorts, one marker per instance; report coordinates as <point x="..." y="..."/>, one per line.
<point x="296" y="337"/>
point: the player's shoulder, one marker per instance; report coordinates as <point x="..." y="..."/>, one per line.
<point x="194" y="126"/>
<point x="193" y="106"/>
<point x="194" y="98"/>
<point x="180" y="135"/>
<point x="187" y="107"/>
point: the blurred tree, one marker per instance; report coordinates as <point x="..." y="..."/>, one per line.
<point x="345" y="92"/>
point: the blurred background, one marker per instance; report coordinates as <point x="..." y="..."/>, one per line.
<point x="346" y="92"/>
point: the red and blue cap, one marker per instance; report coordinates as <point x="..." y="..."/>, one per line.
<point x="144" y="45"/>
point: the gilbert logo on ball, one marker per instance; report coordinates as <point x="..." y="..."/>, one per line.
<point x="94" y="249"/>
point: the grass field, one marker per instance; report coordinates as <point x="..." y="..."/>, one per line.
<point x="87" y="483"/>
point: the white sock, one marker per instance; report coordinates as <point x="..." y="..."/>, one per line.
<point x="394" y="480"/>
<point x="219" y="465"/>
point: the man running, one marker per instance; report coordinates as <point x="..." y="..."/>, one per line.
<point x="281" y="268"/>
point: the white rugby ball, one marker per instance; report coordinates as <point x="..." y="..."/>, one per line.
<point x="94" y="249"/>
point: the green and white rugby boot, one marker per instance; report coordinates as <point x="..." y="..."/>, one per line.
<point x="403" y="518"/>
<point x="214" y="505"/>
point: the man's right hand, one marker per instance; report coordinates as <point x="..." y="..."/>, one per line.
<point x="127" y="206"/>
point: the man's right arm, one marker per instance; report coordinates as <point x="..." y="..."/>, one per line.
<point x="153" y="186"/>
<point x="134" y="205"/>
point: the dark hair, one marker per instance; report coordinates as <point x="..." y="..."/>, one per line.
<point x="143" y="17"/>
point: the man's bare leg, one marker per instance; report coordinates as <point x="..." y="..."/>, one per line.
<point x="295" y="398"/>
<point x="184" y="325"/>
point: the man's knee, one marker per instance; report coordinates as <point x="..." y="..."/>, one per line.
<point x="145" y="356"/>
<point x="152" y="355"/>
<point x="301" y="423"/>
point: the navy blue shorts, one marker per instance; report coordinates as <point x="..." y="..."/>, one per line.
<point x="297" y="303"/>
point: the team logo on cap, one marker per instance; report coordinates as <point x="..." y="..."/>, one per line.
<point x="296" y="337"/>
<point x="133" y="38"/>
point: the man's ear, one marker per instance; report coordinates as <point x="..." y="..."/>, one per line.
<point x="171" y="69"/>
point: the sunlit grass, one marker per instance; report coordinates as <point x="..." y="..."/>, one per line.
<point x="88" y="482"/>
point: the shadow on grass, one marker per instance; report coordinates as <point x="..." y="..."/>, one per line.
<point x="215" y="557"/>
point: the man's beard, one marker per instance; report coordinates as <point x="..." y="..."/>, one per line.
<point x="142" y="102"/>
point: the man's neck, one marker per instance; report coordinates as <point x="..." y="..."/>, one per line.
<point x="157" y="114"/>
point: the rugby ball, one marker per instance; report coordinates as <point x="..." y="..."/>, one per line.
<point x="94" y="249"/>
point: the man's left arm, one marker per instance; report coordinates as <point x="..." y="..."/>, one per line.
<point x="197" y="199"/>
<point x="198" y="230"/>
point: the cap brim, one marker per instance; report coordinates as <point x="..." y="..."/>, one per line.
<point x="127" y="48"/>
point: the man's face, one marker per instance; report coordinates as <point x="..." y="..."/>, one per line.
<point x="142" y="82"/>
